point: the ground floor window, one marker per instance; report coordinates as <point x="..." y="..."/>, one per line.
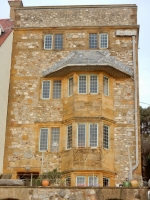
<point x="105" y="181"/>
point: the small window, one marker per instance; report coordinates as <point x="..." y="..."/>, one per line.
<point x="58" y="41"/>
<point x="69" y="137"/>
<point x="43" y="139"/>
<point x="48" y="41"/>
<point x="80" y="181"/>
<point x="81" y="135"/>
<point x="93" y="181"/>
<point x="105" y="86"/>
<point x="70" y="86"/>
<point x="55" y="132"/>
<point x="93" y="135"/>
<point x="93" y="84"/>
<point x="46" y="89"/>
<point x="82" y="84"/>
<point x="57" y="89"/>
<point x="103" y="40"/>
<point x="68" y="181"/>
<point x="105" y="136"/>
<point x="105" y="181"/>
<point x="93" y="40"/>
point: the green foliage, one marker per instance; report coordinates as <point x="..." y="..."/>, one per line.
<point x="53" y="176"/>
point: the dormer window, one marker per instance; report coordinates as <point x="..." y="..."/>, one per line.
<point x="1" y="29"/>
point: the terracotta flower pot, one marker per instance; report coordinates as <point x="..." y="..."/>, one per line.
<point x="45" y="182"/>
<point x="134" y="183"/>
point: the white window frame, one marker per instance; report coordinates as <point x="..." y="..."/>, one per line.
<point x="57" y="88"/>
<point x="78" y="133"/>
<point x="90" y="136"/>
<point x="95" y="184"/>
<point x="43" y="90"/>
<point x="100" y="40"/>
<point x="51" y="42"/>
<point x="90" y="84"/>
<point x="77" y="181"/>
<point x="58" y="142"/>
<point x="107" y="179"/>
<point x="40" y="139"/>
<point x="79" y="83"/>
<point x="104" y="86"/>
<point x="69" y="86"/>
<point x="67" y="137"/>
<point x="104" y="145"/>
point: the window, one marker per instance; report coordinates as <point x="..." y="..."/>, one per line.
<point x="70" y="86"/>
<point x="82" y="84"/>
<point x="81" y="135"/>
<point x="93" y="181"/>
<point x="93" y="135"/>
<point x="43" y="139"/>
<point x="57" y="89"/>
<point x="55" y="139"/>
<point x="105" y="86"/>
<point x="48" y="41"/>
<point x="93" y="84"/>
<point x="46" y="89"/>
<point x="105" y="181"/>
<point x="93" y="40"/>
<point x="103" y="40"/>
<point x="80" y="181"/>
<point x="58" y="41"/>
<point x="68" y="181"/>
<point x="69" y="137"/>
<point x="105" y="136"/>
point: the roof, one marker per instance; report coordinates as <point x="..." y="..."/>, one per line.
<point x="7" y="25"/>
<point x="89" y="60"/>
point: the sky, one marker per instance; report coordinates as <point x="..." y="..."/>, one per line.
<point x="144" y="36"/>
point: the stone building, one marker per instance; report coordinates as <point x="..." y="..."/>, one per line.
<point x="6" y="36"/>
<point x="73" y="99"/>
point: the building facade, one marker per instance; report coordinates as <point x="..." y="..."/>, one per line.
<point x="6" y="36"/>
<point x="73" y="101"/>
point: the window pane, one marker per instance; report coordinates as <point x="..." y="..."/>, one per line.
<point x="46" y="89"/>
<point x="68" y="181"/>
<point x="48" y="42"/>
<point x="69" y="137"/>
<point x="70" y="86"/>
<point x="93" y="83"/>
<point x="104" y="40"/>
<point x="93" y="40"/>
<point x="56" y="89"/>
<point x="81" y="135"/>
<point x="82" y="84"/>
<point x="58" y="41"/>
<point x="105" y="181"/>
<point x="105" y="136"/>
<point x="43" y="139"/>
<point x="105" y="86"/>
<point x="80" y="181"/>
<point x="93" y="181"/>
<point x="93" y="135"/>
<point x="55" y="139"/>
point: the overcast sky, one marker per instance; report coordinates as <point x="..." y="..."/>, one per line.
<point x="144" y="37"/>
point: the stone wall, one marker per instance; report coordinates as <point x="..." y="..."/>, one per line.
<point x="62" y="16"/>
<point x="48" y="193"/>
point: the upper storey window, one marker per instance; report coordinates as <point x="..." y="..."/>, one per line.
<point x="45" y="89"/>
<point x="105" y="85"/>
<point x="93" y="41"/>
<point x="70" y="85"/>
<point x="57" y="89"/>
<point x="103" y="40"/>
<point x="82" y="84"/>
<point x="53" y="41"/>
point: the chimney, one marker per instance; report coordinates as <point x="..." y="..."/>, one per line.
<point x="14" y="4"/>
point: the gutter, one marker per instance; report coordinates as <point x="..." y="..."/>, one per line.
<point x="135" y="105"/>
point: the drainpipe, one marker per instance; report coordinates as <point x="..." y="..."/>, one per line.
<point x="135" y="105"/>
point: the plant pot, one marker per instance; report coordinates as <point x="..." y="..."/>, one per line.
<point x="126" y="184"/>
<point x="45" y="182"/>
<point x="134" y="183"/>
